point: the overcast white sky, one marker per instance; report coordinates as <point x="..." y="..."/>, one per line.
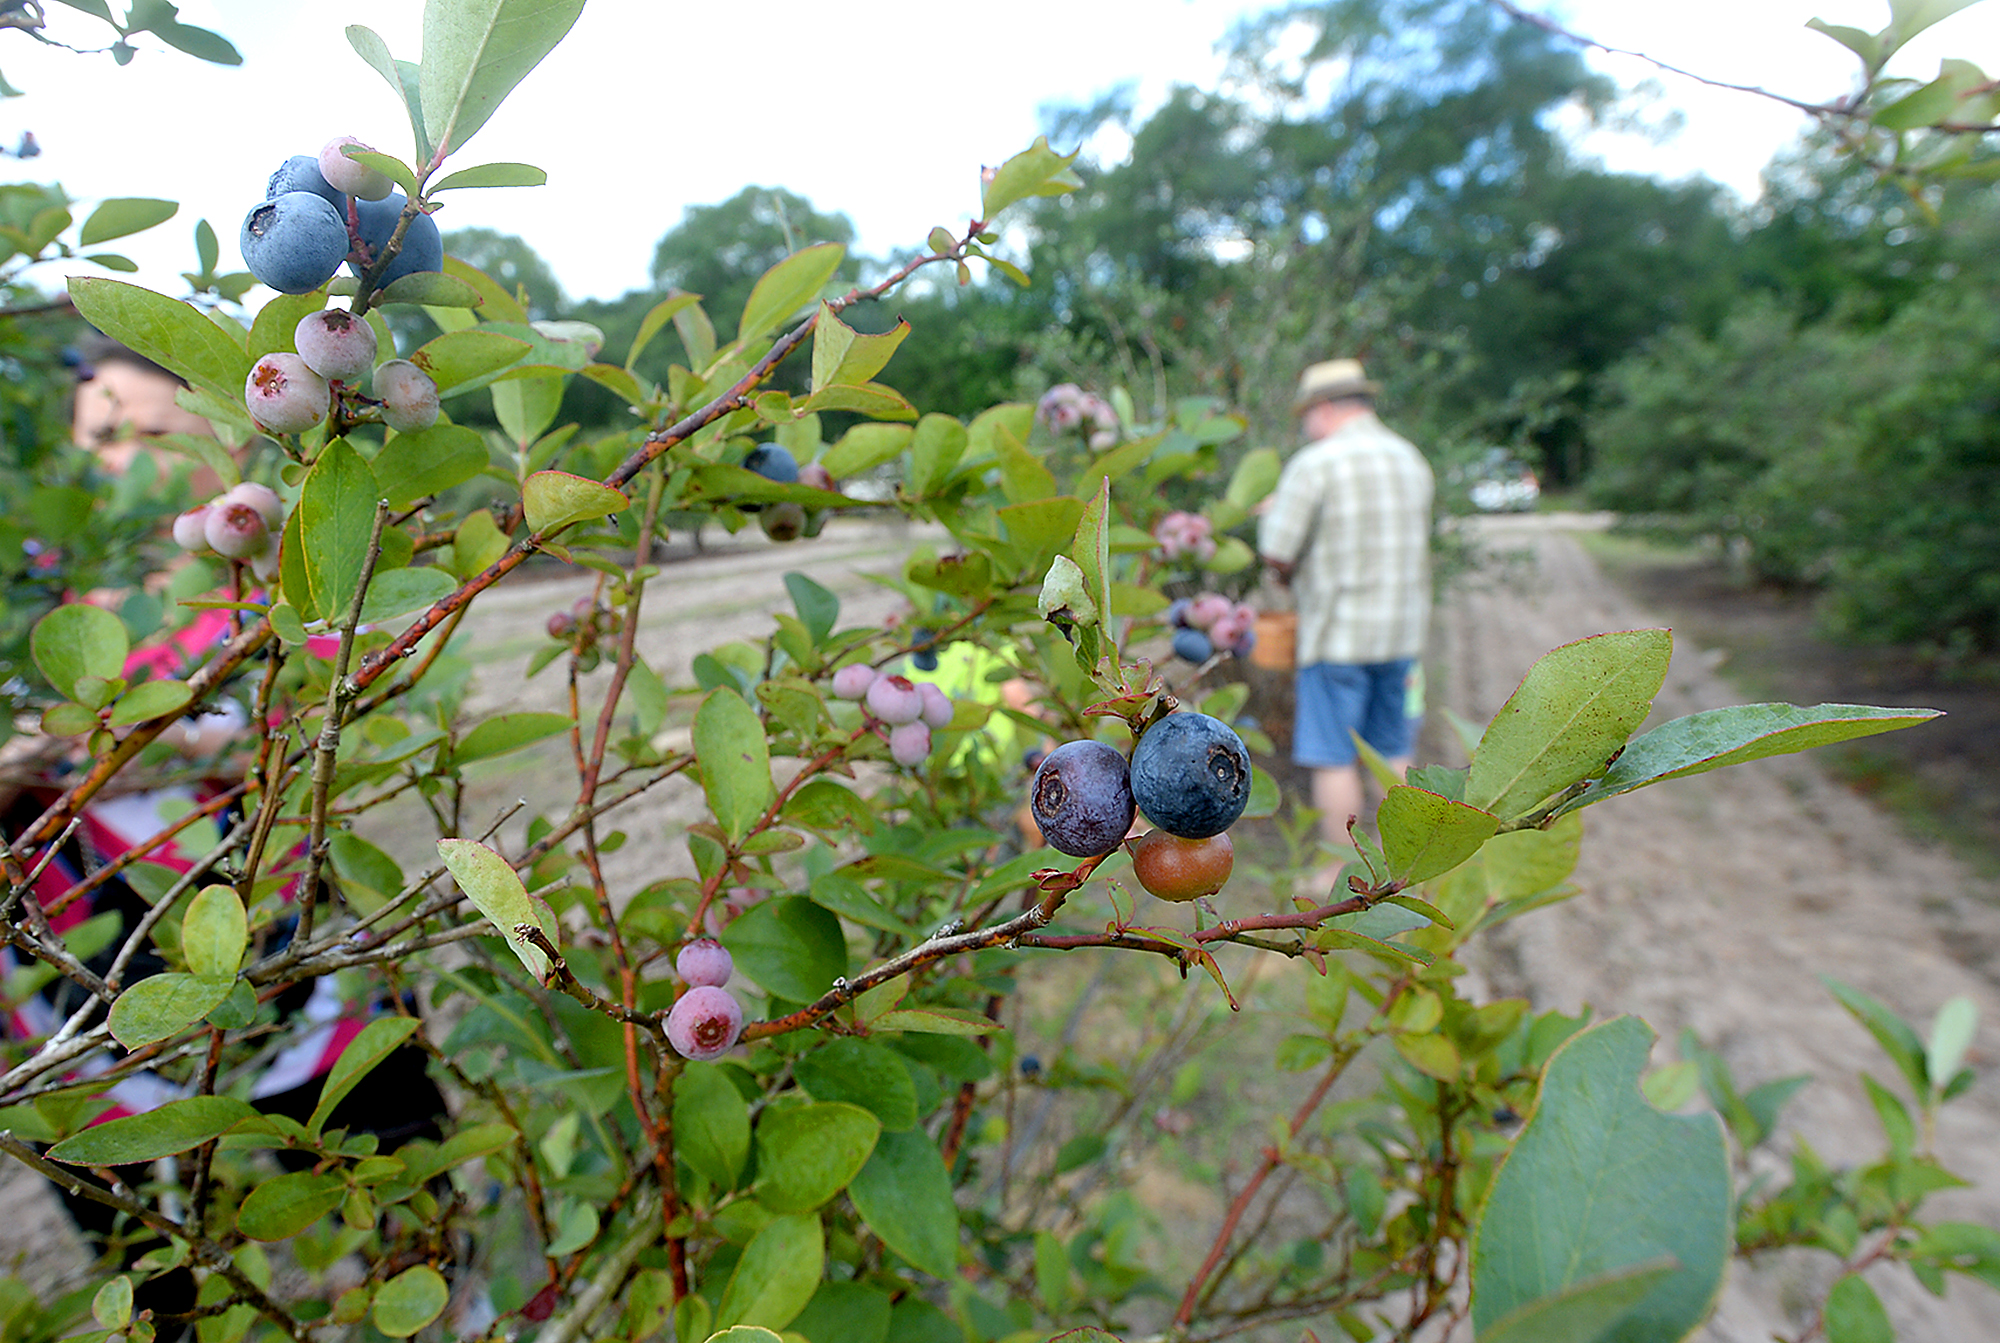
<point x="882" y="110"/>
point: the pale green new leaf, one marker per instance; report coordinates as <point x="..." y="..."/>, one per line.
<point x="787" y="287"/>
<point x="1035" y="171"/>
<point x="402" y="76"/>
<point x="494" y="888"/>
<point x="843" y="355"/>
<point x="553" y="499"/>
<point x="476" y="51"/>
<point x="494" y="175"/>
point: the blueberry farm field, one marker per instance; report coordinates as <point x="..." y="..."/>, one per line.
<point x="1712" y="904"/>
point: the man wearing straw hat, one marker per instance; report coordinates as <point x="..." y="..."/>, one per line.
<point x="1348" y="529"/>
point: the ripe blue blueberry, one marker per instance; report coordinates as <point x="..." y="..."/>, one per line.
<point x="1082" y="798"/>
<point x="923" y="649"/>
<point x="294" y="243"/>
<point x="773" y="463"/>
<point x="301" y="172"/>
<point x="423" y="245"/>
<point x="1193" y="645"/>
<point x="1191" y="775"/>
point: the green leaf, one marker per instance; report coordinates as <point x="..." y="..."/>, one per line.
<point x="788" y="286"/>
<point x="655" y="320"/>
<point x="476" y="51"/>
<point x="163" y="1005"/>
<point x="938" y="444"/>
<point x="175" y="335"/>
<point x="843" y="355"/>
<point x="1864" y="44"/>
<point x="850" y="1312"/>
<point x="777" y="1275"/>
<point x="1854" y="1313"/>
<point x="1601" y="1183"/>
<point x="860" y="1073"/>
<point x="335" y="518"/>
<point x="1580" y="1313"/>
<point x="1255" y="476"/>
<point x="410" y="1300"/>
<point x="458" y="359"/>
<point x="68" y="719"/>
<point x="178" y="1126"/>
<point x="904" y="1194"/>
<point x="938" y="1021"/>
<point x="1035" y="171"/>
<point x="478" y="545"/>
<point x="1093" y="548"/>
<point x="122" y="216"/>
<point x="376" y="1041"/>
<point x="197" y="42"/>
<point x="711" y="1124"/>
<point x="817" y="606"/>
<point x="412" y="466"/>
<point x="78" y="640"/>
<point x="111" y="1306"/>
<point x="807" y="1153"/>
<point x="788" y="946"/>
<point x="735" y="759"/>
<point x="497" y="892"/>
<point x="403" y="591"/>
<point x="401" y="76"/>
<point x="215" y="932"/>
<point x="1576" y="707"/>
<point x="388" y="165"/>
<point x="1951" y="1036"/>
<point x="494" y="175"/>
<point x="508" y="732"/>
<point x="1891" y="1032"/>
<point x="865" y="447"/>
<point x="1714" y="738"/>
<point x="1023" y="478"/>
<point x="1424" y="835"/>
<point x="426" y="289"/>
<point x="284" y="1205"/>
<point x="556" y="499"/>
<point x="526" y="404"/>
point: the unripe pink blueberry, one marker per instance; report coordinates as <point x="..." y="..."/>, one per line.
<point x="909" y="743"/>
<point x="705" y="961"/>
<point x="704" y="1023"/>
<point x="283" y="395"/>
<point x="264" y="567"/>
<point x="191" y="529"/>
<point x="336" y="344"/>
<point x="895" y="700"/>
<point x="817" y="476"/>
<point x="853" y="680"/>
<point x="409" y="397"/>
<point x="1208" y="608"/>
<point x="938" y="709"/>
<point x="236" y="530"/>
<point x="345" y="174"/>
<point x="260" y="497"/>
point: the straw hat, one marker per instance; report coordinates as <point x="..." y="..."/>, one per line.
<point x="1332" y="380"/>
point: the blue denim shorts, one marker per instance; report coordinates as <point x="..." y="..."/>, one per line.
<point x="1336" y="700"/>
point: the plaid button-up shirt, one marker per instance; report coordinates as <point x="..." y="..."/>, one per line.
<point x="1352" y="512"/>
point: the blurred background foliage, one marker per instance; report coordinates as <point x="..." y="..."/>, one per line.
<point x="1808" y="380"/>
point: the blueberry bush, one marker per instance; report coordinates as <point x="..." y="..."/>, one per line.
<point x="775" y="1098"/>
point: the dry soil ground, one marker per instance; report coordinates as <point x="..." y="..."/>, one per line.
<point x="1712" y="904"/>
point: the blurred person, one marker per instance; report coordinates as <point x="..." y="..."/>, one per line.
<point x="1348" y="530"/>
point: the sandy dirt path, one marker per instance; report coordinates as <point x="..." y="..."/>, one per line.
<point x="1715" y="903"/>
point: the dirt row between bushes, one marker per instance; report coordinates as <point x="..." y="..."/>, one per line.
<point x="1715" y="904"/>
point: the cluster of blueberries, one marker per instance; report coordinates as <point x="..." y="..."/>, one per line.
<point x="289" y="393"/>
<point x="1189" y="775"/>
<point x="297" y="237"/>
<point x="704" y="1021"/>
<point x="906" y="711"/>
<point x="1211" y="623"/>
